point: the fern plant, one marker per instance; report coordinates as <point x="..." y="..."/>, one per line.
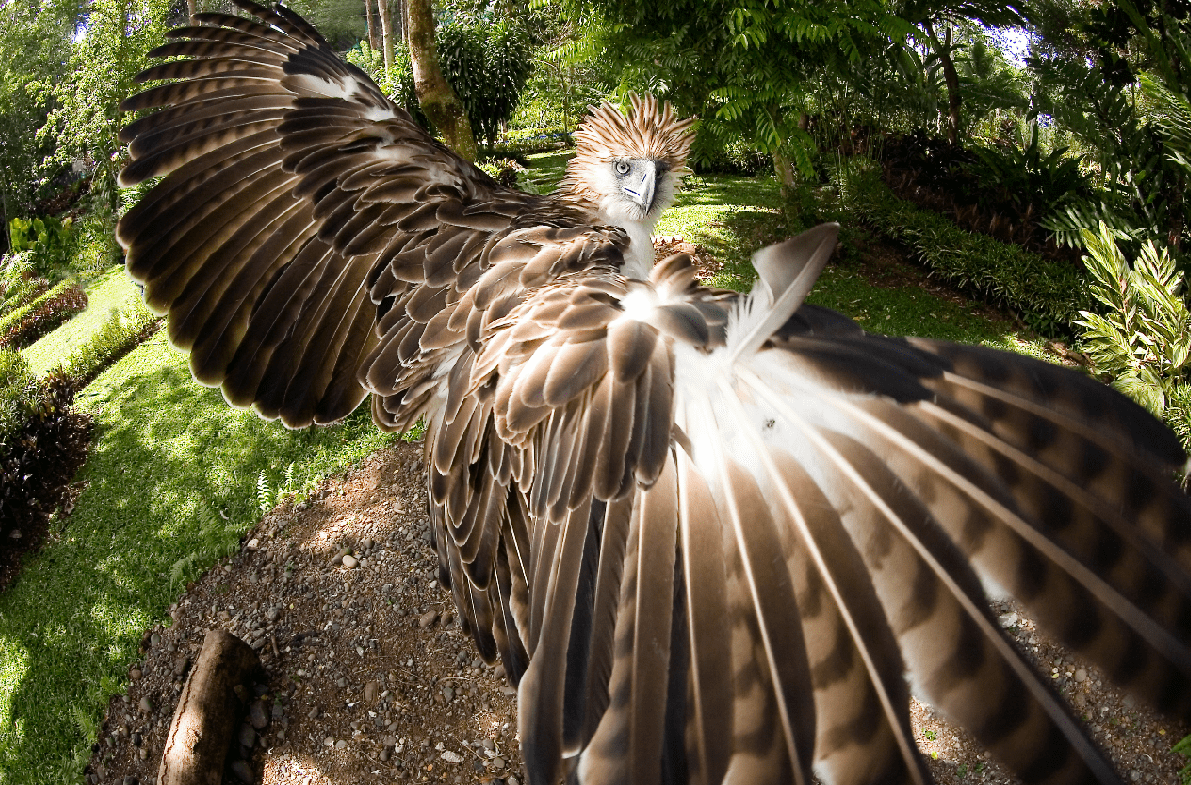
<point x="1143" y="339"/>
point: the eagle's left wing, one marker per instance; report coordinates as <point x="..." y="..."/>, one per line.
<point x="303" y="221"/>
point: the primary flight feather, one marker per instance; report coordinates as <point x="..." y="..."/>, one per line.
<point x="712" y="537"/>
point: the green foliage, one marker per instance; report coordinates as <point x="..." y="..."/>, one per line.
<point x="18" y="393"/>
<point x="1034" y="180"/>
<point x="502" y="170"/>
<point x="1143" y="337"/>
<point x="1046" y="295"/>
<point x="28" y="323"/>
<point x="47" y="238"/>
<point x="487" y="63"/>
<point x="19" y="285"/>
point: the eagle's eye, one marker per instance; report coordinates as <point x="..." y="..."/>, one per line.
<point x="622" y="167"/>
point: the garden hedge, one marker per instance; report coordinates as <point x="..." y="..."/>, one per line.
<point x="1047" y="295"/>
<point x="28" y="323"/>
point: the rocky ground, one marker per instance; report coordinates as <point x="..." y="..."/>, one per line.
<point x="370" y="680"/>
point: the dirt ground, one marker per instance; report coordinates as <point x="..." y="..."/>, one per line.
<point x="370" y="680"/>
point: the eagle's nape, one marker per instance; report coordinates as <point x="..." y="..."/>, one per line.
<point x="712" y="537"/>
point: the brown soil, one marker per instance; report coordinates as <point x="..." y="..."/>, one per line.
<point x="369" y="677"/>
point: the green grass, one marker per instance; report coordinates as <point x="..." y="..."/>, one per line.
<point x="171" y="487"/>
<point x="113" y="289"/>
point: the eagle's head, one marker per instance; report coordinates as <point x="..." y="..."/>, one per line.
<point x="626" y="168"/>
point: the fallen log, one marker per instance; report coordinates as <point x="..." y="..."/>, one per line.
<point x="212" y="705"/>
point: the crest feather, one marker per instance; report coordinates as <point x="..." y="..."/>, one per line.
<point x="649" y="131"/>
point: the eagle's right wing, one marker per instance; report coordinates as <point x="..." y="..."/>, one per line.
<point x="715" y="536"/>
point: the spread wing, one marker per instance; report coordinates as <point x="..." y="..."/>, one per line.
<point x="712" y="537"/>
<point x="304" y="222"/>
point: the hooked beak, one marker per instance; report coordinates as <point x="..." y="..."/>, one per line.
<point x="642" y="184"/>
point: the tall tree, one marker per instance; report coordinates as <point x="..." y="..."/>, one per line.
<point x="743" y="65"/>
<point x="386" y="32"/>
<point x="371" y="22"/>
<point x="438" y="100"/>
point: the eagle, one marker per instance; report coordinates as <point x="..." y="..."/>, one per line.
<point x="713" y="537"/>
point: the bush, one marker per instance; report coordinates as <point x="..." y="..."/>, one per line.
<point x="502" y="170"/>
<point x="1047" y="295"/>
<point x="38" y="458"/>
<point x="18" y="392"/>
<point x="26" y="324"/>
<point x="525" y="141"/>
<point x="19" y="284"/>
<point x="1143" y="337"/>
<point x="48" y="239"/>
<point x="714" y="155"/>
<point x="119" y="335"/>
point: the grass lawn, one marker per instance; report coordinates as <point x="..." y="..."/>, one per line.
<point x="171" y="484"/>
<point x="172" y="479"/>
<point x="112" y="290"/>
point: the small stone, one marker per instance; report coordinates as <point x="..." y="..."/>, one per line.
<point x="1081" y="674"/>
<point x="1129" y="701"/>
<point x="427" y="618"/>
<point x="154" y="639"/>
<point x="451" y="757"/>
<point x="134" y="674"/>
<point x="329" y="742"/>
<point x="145" y="704"/>
<point x="341" y="744"/>
<point x="350" y="562"/>
<point x="272" y="613"/>
<point x="1008" y="620"/>
<point x="243" y="771"/>
<point x="448" y="694"/>
<point x="1135" y="775"/>
<point x="247" y="736"/>
<point x="498" y="763"/>
<point x="15" y="534"/>
<point x="257" y="715"/>
<point x="341" y="682"/>
<point x="180" y="665"/>
<point x="136" y="740"/>
<point x="370" y="691"/>
<point x="314" y="713"/>
<point x="142" y="754"/>
<point x="385" y="754"/>
<point x="130" y="780"/>
<point x="513" y="781"/>
<point x="278" y="711"/>
<point x="488" y="744"/>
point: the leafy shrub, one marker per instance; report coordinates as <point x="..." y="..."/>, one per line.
<point x="19" y="284"/>
<point x="711" y="154"/>
<point x="119" y="335"/>
<point x="1047" y="295"/>
<point x="1143" y="339"/>
<point x="28" y="323"/>
<point x="47" y="238"/>
<point x="502" y="170"/>
<point x="40" y="455"/>
<point x="18" y="391"/>
<point x="524" y="141"/>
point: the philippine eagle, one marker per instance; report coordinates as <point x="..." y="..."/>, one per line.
<point x="712" y="537"/>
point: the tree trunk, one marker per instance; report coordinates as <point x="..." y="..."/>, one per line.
<point x="209" y="712"/>
<point x="386" y="31"/>
<point x="370" y="21"/>
<point x="439" y="102"/>
<point x="784" y="170"/>
<point x="943" y="50"/>
<point x="192" y="7"/>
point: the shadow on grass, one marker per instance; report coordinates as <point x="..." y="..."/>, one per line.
<point x="171" y="485"/>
